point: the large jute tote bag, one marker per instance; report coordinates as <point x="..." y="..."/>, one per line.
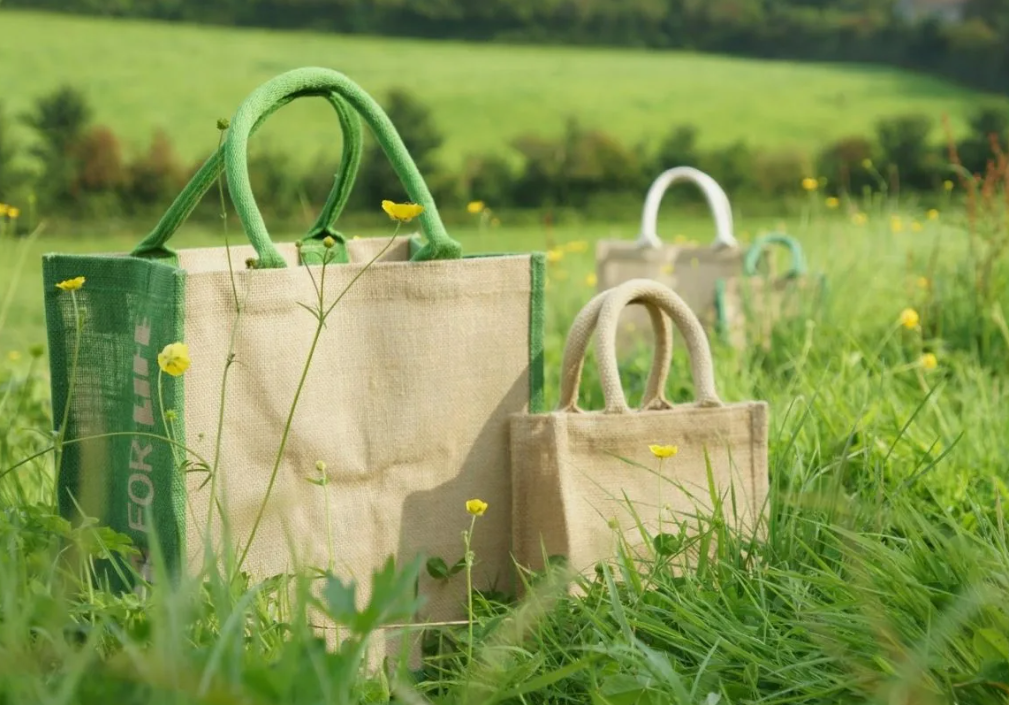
<point x="691" y="270"/>
<point x="750" y="306"/>
<point x="579" y="477"/>
<point x="406" y="404"/>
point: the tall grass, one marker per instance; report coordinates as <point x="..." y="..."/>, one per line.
<point x="883" y="576"/>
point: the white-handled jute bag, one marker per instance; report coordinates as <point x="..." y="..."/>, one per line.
<point x="402" y="417"/>
<point x="579" y="477"/>
<point x="690" y="270"/>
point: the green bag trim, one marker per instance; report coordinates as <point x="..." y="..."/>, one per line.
<point x="798" y="267"/>
<point x="537" y="317"/>
<point x="133" y="307"/>
<point x="319" y="81"/>
<point x="154" y="245"/>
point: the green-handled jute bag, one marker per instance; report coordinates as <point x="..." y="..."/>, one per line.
<point x="403" y="414"/>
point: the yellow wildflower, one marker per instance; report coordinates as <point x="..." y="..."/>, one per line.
<point x="554" y="255"/>
<point x="3" y="209"/>
<point x="948" y="185"/>
<point x="476" y="507"/>
<point x="328" y="242"/>
<point x="916" y="226"/>
<point x="591" y="280"/>
<point x="896" y="224"/>
<point x="866" y="163"/>
<point x="680" y="239"/>
<point x="832" y="202"/>
<point x="577" y="246"/>
<point x="929" y="361"/>
<point x="860" y="219"/>
<point x="475" y="207"/>
<point x="663" y="451"/>
<point x="923" y="282"/>
<point x="174" y="359"/>
<point x="403" y="212"/>
<point x="909" y="318"/>
<point x="13" y="213"/>
<point x="13" y="356"/>
<point x="932" y="214"/>
<point x="810" y="184"/>
<point x="71" y="284"/>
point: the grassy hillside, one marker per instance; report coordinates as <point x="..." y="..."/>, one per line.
<point x="144" y="75"/>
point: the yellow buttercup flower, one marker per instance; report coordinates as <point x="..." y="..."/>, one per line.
<point x="832" y="202"/>
<point x="14" y="356"/>
<point x="663" y="451"/>
<point x="929" y="361"/>
<point x="932" y="214"/>
<point x="554" y="255"/>
<point x="896" y="224"/>
<point x="13" y="213"/>
<point x="909" y="318"/>
<point x="948" y="185"/>
<point x="174" y="359"/>
<point x="475" y="207"/>
<point x="476" y="507"/>
<point x="916" y="227"/>
<point x="591" y="280"/>
<point x="810" y="184"/>
<point x="576" y="246"/>
<point x="923" y="282"/>
<point x="3" y="209"/>
<point x="860" y="219"/>
<point x="71" y="284"/>
<point x="403" y="212"/>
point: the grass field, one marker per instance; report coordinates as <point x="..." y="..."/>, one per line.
<point x="144" y="75"/>
<point x="882" y="579"/>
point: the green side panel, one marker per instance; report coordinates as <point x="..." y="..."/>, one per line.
<point x="129" y="477"/>
<point x="537" y="316"/>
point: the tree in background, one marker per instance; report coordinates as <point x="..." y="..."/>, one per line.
<point x="11" y="177"/>
<point x="60" y="120"/>
<point x="377" y="180"/>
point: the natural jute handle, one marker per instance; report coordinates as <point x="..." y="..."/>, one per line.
<point x="798" y="267"/>
<point x="577" y="345"/>
<point x="322" y="82"/>
<point x="154" y="245"/>
<point x="718" y="201"/>
<point x="647" y="291"/>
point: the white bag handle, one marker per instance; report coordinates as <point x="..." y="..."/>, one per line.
<point x="718" y="201"/>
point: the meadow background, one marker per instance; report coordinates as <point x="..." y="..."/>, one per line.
<point x="885" y="570"/>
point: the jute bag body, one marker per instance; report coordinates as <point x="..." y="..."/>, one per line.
<point x="692" y="271"/>
<point x="407" y="401"/>
<point x="749" y="307"/>
<point x="575" y="471"/>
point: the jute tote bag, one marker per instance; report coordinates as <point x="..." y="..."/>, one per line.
<point x="406" y="405"/>
<point x="692" y="271"/>
<point x="574" y="471"/>
<point x="749" y="307"/>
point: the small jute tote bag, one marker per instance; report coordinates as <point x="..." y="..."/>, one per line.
<point x="401" y="418"/>
<point x="579" y="477"/>
<point x="691" y="270"/>
<point x="749" y="307"/>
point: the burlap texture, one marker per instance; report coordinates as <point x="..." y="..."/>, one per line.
<point x="692" y="271"/>
<point x="407" y="402"/>
<point x="574" y="472"/>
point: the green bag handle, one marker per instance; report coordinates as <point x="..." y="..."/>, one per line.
<point x="320" y="81"/>
<point x="154" y="245"/>
<point x="798" y="267"/>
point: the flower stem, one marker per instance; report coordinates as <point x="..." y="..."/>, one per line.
<point x="467" y="539"/>
<point x="61" y="436"/>
<point x="322" y="316"/>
